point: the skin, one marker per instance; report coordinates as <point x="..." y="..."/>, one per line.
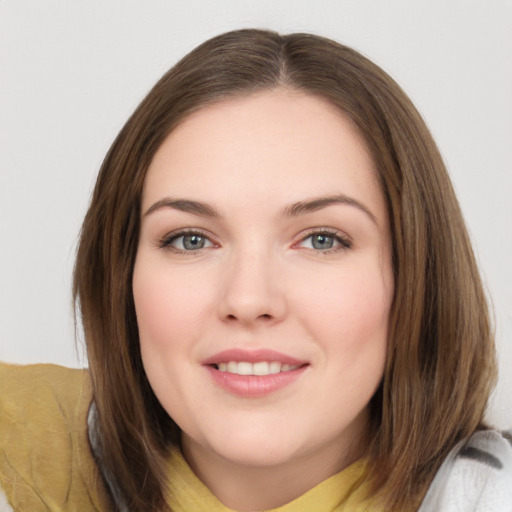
<point x="258" y="282"/>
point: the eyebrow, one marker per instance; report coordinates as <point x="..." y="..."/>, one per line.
<point x="318" y="203"/>
<point x="184" y="205"/>
<point x="293" y="210"/>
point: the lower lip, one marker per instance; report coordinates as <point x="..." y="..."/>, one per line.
<point x="254" y="386"/>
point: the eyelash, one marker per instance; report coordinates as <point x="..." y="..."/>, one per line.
<point x="344" y="242"/>
<point x="167" y="240"/>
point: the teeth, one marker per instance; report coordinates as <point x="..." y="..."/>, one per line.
<point x="244" y="368"/>
<point x="274" y="367"/>
<point x="260" y="368"/>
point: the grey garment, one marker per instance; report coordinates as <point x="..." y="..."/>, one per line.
<point x="95" y="441"/>
<point x="475" y="477"/>
<point x="4" y="504"/>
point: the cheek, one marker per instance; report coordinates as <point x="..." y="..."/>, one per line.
<point x="348" y="311"/>
<point x="169" y="304"/>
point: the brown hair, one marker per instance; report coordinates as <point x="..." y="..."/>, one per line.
<point x="440" y="366"/>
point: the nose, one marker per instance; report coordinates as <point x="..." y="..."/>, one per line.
<point x="251" y="292"/>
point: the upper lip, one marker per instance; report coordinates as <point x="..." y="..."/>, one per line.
<point x="252" y="356"/>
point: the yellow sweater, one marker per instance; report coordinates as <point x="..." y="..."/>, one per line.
<point x="46" y="463"/>
<point x="45" y="460"/>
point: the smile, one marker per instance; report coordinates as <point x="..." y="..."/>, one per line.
<point x="254" y="373"/>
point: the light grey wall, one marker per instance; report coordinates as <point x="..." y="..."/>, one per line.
<point x="72" y="72"/>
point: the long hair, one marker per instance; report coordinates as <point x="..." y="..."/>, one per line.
<point x="440" y="363"/>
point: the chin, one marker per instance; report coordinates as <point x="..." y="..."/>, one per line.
<point x="257" y="454"/>
<point x="252" y="446"/>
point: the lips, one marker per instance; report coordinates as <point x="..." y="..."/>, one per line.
<point x="254" y="373"/>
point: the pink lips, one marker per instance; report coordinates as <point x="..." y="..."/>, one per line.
<point x="253" y="386"/>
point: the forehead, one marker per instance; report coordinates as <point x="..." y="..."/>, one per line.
<point x="280" y="142"/>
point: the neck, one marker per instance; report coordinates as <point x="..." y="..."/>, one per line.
<point x="246" y="487"/>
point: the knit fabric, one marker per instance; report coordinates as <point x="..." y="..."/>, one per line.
<point x="476" y="476"/>
<point x="45" y="459"/>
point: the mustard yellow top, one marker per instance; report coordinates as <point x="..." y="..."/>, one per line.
<point x="46" y="463"/>
<point x="45" y="460"/>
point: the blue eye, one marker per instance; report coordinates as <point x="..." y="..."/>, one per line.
<point x="186" y="242"/>
<point x="325" y="242"/>
<point x="321" y="241"/>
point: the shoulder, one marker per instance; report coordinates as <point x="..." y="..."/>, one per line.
<point x="44" y="452"/>
<point x="29" y="381"/>
<point x="41" y="398"/>
<point x="476" y="476"/>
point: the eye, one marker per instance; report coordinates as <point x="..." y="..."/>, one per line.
<point x="325" y="241"/>
<point x="186" y="241"/>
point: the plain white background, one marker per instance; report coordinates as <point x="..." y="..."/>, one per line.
<point x="72" y="72"/>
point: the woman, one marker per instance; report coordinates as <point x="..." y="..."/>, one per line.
<point x="279" y="298"/>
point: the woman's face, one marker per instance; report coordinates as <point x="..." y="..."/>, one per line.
<point x="263" y="280"/>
